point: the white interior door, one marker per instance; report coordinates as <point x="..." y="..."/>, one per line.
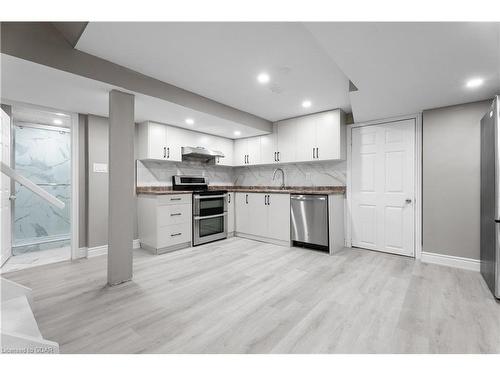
<point x="383" y="189"/>
<point x="5" y="214"/>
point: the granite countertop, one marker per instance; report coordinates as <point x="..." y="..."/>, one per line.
<point x="161" y="190"/>
<point x="286" y="190"/>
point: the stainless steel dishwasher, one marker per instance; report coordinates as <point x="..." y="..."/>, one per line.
<point x="309" y="220"/>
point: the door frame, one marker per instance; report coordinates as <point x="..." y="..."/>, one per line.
<point x="417" y="117"/>
<point x="76" y="253"/>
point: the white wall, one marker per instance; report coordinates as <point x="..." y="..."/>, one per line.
<point x="451" y="179"/>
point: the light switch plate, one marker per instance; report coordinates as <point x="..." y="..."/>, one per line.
<point x="100" y="168"/>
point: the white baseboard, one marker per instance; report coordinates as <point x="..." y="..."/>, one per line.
<point x="451" y="261"/>
<point x="102" y="250"/>
<point x="82" y="252"/>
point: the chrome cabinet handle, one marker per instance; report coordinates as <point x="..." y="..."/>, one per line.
<point x="246" y="198"/>
<point x="175" y="199"/>
<point x="168" y="152"/>
<point x="275" y="156"/>
<point x="229" y="198"/>
<point x="278" y="156"/>
<point x="317" y="152"/>
<point x="407" y="200"/>
<point x="268" y="200"/>
<point x="164" y="152"/>
<point x="177" y="214"/>
<point x="175" y="234"/>
<point x="265" y="200"/>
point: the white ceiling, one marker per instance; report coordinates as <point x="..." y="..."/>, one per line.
<point x="222" y="60"/>
<point x="33" y="115"/>
<point x="404" y="68"/>
<point x="27" y="82"/>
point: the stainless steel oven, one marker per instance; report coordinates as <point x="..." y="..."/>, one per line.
<point x="209" y="217"/>
<point x="209" y="209"/>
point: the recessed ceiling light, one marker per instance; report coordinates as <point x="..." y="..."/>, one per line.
<point x="60" y="114"/>
<point x="263" y="78"/>
<point x="474" y="82"/>
<point x="189" y="121"/>
<point x="57" y="121"/>
<point x="306" y="103"/>
<point x="237" y="133"/>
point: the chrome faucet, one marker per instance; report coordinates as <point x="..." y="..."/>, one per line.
<point x="282" y="177"/>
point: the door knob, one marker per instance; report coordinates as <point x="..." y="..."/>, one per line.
<point x="408" y="200"/>
<point x="12" y="198"/>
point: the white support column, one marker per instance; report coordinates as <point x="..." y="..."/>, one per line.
<point x="121" y="187"/>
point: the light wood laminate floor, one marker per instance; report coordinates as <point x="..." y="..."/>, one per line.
<point x="242" y="296"/>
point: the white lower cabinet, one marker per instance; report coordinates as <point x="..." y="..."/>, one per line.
<point x="164" y="221"/>
<point x="263" y="216"/>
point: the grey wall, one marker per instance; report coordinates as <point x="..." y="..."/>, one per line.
<point x="451" y="180"/>
<point x="95" y="222"/>
<point x="97" y="194"/>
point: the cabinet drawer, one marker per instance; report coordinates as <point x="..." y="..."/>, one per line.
<point x="174" y="199"/>
<point x="174" y="234"/>
<point x="174" y="214"/>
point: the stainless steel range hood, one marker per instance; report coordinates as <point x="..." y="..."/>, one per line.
<point x="200" y="154"/>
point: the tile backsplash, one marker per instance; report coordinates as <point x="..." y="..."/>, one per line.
<point x="159" y="173"/>
<point x="327" y="173"/>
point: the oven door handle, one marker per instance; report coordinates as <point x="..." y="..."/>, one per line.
<point x="209" y="217"/>
<point x="209" y="196"/>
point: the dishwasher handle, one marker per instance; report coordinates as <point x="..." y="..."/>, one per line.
<point x="309" y="197"/>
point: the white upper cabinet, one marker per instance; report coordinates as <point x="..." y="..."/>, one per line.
<point x="247" y="151"/>
<point x="253" y="147"/>
<point x="225" y="146"/>
<point x="152" y="141"/>
<point x="176" y="139"/>
<point x="320" y="136"/>
<point x="330" y="135"/>
<point x="306" y="138"/>
<point x="164" y="142"/>
<point x="287" y="140"/>
<point x="240" y="152"/>
<point x="268" y="148"/>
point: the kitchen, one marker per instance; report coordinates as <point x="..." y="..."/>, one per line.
<point x="256" y="212"/>
<point x="312" y="187"/>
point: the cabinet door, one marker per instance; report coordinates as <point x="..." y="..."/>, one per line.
<point x="257" y="214"/>
<point x="240" y="152"/>
<point x="241" y="222"/>
<point x="230" y="212"/>
<point x="279" y="217"/>
<point x="225" y="146"/>
<point x="253" y="147"/>
<point x="306" y="137"/>
<point x="157" y="141"/>
<point x="287" y="140"/>
<point x="176" y="139"/>
<point x="268" y="149"/>
<point x="328" y="135"/>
